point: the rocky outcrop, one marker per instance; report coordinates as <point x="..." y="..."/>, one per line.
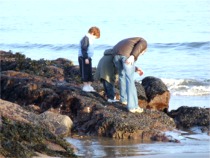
<point x="90" y="112"/>
<point x="152" y="93"/>
<point x="26" y="134"/>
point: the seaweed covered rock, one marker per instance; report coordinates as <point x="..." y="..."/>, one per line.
<point x="53" y="69"/>
<point x="90" y="112"/>
<point x="142" y="96"/>
<point x="58" y="124"/>
<point x="113" y="120"/>
<point x="24" y="140"/>
<point x="16" y="68"/>
<point x="157" y="93"/>
<point x="20" y="138"/>
<point x="187" y="117"/>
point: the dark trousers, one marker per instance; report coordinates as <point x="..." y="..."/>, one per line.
<point x="85" y="70"/>
<point x="109" y="89"/>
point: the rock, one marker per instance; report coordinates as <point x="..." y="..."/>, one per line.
<point x="90" y="112"/>
<point x="187" y="117"/>
<point x="22" y="135"/>
<point x="1" y="123"/>
<point x="18" y="70"/>
<point x="23" y="140"/>
<point x="61" y="123"/>
<point x="142" y="97"/>
<point x="58" y="124"/>
<point x="157" y="93"/>
<point x="115" y="121"/>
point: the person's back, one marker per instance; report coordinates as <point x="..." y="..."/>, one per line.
<point x="107" y="74"/>
<point x="130" y="46"/>
<point x="106" y="69"/>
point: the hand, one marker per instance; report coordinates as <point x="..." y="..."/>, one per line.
<point x="87" y="61"/>
<point x="139" y="71"/>
<point x="130" y="60"/>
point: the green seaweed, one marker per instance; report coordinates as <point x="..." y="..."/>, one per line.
<point x="22" y="140"/>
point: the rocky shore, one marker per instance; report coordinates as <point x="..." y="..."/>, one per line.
<point x="42" y="102"/>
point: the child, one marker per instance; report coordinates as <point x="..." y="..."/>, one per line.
<point x="107" y="74"/>
<point x="85" y="58"/>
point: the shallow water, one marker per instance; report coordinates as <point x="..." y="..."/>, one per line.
<point x="95" y="147"/>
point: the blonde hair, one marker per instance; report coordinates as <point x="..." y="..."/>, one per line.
<point x="94" y="31"/>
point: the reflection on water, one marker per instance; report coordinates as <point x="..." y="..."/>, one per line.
<point x="98" y="147"/>
<point x="107" y="147"/>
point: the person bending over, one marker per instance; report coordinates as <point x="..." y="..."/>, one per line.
<point x="126" y="52"/>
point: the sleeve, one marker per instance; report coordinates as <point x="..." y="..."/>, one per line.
<point x="84" y="46"/>
<point x="137" y="49"/>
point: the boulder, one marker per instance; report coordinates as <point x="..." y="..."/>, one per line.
<point x="187" y="117"/>
<point x="58" y="124"/>
<point x="61" y="124"/>
<point x="157" y="93"/>
<point x="25" y="134"/>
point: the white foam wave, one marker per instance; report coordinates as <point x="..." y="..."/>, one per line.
<point x="187" y="87"/>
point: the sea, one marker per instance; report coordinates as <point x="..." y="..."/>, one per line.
<point x="178" y="36"/>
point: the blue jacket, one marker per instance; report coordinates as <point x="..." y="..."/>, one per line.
<point x="86" y="49"/>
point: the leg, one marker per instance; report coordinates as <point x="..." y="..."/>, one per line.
<point x="130" y="86"/>
<point x="90" y="76"/>
<point x="80" y="60"/>
<point x="84" y="72"/>
<point x="105" y="88"/>
<point x="84" y="69"/>
<point x="109" y="90"/>
<point x="122" y="80"/>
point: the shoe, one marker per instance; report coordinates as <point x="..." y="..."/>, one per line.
<point x="112" y="100"/>
<point x="92" y="89"/>
<point x="86" y="89"/>
<point x="133" y="110"/>
<point x="124" y="103"/>
<point x="137" y="110"/>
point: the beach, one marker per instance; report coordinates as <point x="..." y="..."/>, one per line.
<point x="177" y="33"/>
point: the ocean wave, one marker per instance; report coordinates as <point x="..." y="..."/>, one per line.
<point x="188" y="87"/>
<point x="54" y="47"/>
<point x="40" y="46"/>
<point x="184" y="45"/>
<point x="58" y="47"/>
